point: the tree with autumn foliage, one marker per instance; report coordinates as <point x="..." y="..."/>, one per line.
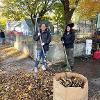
<point x="69" y="8"/>
<point x="20" y="9"/>
<point x="88" y="9"/>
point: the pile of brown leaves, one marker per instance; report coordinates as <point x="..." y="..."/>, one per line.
<point x="26" y="86"/>
<point x="71" y="82"/>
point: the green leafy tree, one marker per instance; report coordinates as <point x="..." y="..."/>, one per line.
<point x="58" y="17"/>
<point x="18" y="9"/>
<point x="2" y="22"/>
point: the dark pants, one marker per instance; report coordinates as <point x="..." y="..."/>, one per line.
<point x="70" y="56"/>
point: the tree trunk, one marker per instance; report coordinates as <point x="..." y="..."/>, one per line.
<point x="33" y="20"/>
<point x="67" y="14"/>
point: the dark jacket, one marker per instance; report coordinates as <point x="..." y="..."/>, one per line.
<point x="46" y="39"/>
<point x="96" y="37"/>
<point x="2" y="35"/>
<point x="68" y="39"/>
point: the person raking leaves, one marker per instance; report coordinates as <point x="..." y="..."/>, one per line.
<point x="68" y="43"/>
<point x="43" y="38"/>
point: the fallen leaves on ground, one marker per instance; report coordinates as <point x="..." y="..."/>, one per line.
<point x="7" y="52"/>
<point x="26" y="86"/>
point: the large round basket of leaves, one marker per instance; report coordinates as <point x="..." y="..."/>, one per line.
<point x="70" y="86"/>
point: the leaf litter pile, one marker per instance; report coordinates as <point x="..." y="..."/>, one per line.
<point x="26" y="86"/>
<point x="7" y="52"/>
<point x="71" y="82"/>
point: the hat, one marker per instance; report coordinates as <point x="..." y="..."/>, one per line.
<point x="71" y="25"/>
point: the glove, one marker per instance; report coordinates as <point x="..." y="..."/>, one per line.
<point x="62" y="42"/>
<point x="42" y="44"/>
<point x="39" y="34"/>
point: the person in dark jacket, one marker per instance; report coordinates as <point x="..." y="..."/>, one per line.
<point x="68" y="41"/>
<point x="2" y="37"/>
<point x="43" y="39"/>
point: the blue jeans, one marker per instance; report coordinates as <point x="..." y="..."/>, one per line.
<point x="2" y="40"/>
<point x="40" y="55"/>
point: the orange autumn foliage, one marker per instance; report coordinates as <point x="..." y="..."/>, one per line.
<point x="89" y="8"/>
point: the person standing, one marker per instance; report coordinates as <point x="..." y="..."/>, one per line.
<point x="43" y="39"/>
<point x="2" y="37"/>
<point x="68" y="41"/>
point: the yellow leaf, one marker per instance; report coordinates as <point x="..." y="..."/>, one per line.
<point x="30" y="87"/>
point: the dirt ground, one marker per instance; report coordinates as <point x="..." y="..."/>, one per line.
<point x="11" y="61"/>
<point x="91" y="69"/>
